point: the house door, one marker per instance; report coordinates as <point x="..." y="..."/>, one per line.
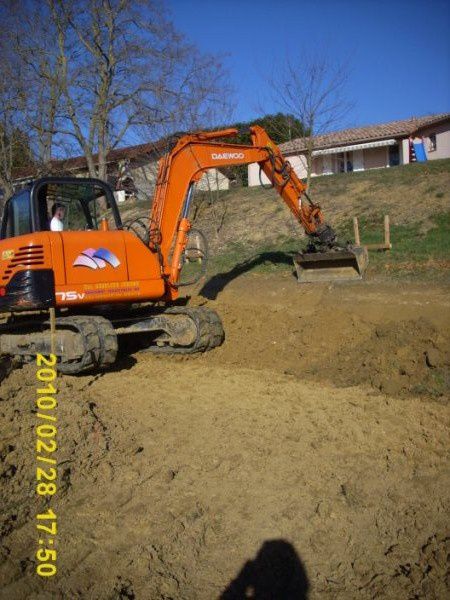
<point x="339" y="163"/>
<point x="343" y="162"/>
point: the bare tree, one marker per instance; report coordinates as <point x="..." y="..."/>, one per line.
<point x="29" y="43"/>
<point x="14" y="143"/>
<point x="7" y="111"/>
<point x="313" y="89"/>
<point x="135" y="69"/>
<point x="97" y="71"/>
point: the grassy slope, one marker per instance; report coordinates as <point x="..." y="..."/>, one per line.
<point x="257" y="228"/>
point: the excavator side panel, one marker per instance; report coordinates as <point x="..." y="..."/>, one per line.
<point x="107" y="267"/>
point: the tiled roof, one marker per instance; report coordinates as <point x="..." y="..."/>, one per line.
<point x="360" y="135"/>
<point x="151" y="150"/>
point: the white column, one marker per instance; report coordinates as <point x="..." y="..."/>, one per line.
<point x="358" y="160"/>
<point x="298" y="163"/>
<point x="327" y="169"/>
<point x="404" y="152"/>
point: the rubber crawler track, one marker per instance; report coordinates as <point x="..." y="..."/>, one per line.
<point x="209" y="331"/>
<point x="88" y="330"/>
<point x="100" y="343"/>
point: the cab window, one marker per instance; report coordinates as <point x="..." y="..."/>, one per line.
<point x="17" y="216"/>
<point x="73" y="206"/>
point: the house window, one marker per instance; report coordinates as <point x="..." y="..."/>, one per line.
<point x="432" y="145"/>
<point x="394" y="156"/>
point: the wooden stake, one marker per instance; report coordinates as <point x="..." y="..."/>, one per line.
<point x="52" y="330"/>
<point x="387" y="236"/>
<point x="387" y="232"/>
<point x="356" y="230"/>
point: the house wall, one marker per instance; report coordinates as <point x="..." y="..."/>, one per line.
<point x="442" y="133"/>
<point x="404" y="151"/>
<point x="317" y="166"/>
<point x="253" y="176"/>
<point x="298" y="163"/>
<point x="358" y="160"/>
<point x="145" y="174"/>
<point x="213" y="180"/>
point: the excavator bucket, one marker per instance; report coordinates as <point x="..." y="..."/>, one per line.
<point x="335" y="265"/>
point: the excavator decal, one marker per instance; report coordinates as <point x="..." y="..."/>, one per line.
<point x="227" y="156"/>
<point x="70" y="296"/>
<point x="96" y="259"/>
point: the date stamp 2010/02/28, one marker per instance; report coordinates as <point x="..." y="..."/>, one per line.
<point x="46" y="469"/>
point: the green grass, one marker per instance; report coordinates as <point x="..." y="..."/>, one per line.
<point x="415" y="253"/>
<point x="415" y="196"/>
<point x="412" y="247"/>
<point x="260" y="258"/>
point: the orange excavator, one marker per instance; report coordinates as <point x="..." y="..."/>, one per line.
<point x="63" y="246"/>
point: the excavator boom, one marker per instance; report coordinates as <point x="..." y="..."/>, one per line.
<point x="196" y="153"/>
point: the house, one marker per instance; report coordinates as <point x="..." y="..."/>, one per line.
<point x="131" y="170"/>
<point x="362" y="148"/>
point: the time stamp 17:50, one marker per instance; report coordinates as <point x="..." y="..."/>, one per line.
<point x="46" y="465"/>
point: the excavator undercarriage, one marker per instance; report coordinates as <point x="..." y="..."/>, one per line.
<point x="90" y="342"/>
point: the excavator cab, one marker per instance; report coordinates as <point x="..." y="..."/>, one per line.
<point x="63" y="244"/>
<point x="83" y="204"/>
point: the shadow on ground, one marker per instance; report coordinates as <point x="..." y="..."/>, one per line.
<point x="275" y="573"/>
<point x="217" y="283"/>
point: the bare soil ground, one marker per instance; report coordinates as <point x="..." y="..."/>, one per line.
<point x="305" y="458"/>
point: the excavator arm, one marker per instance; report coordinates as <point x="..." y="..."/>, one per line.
<point x="186" y="163"/>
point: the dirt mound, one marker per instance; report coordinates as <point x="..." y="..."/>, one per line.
<point x="78" y="425"/>
<point x="338" y="336"/>
<point x="397" y="358"/>
<point x="199" y="484"/>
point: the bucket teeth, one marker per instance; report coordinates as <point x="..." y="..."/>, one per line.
<point x="334" y="265"/>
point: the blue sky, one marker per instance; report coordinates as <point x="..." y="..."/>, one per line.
<point x="398" y="51"/>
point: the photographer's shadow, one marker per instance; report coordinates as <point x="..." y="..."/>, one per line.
<point x="276" y="573"/>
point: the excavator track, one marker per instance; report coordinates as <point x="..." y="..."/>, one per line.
<point x="82" y="342"/>
<point x="99" y="340"/>
<point x="210" y="333"/>
<point x="90" y="342"/>
<point x="108" y="342"/>
<point x="87" y="328"/>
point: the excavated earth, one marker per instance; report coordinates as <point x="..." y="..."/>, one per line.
<point x="305" y="458"/>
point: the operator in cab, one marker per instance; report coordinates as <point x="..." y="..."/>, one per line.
<point x="57" y="222"/>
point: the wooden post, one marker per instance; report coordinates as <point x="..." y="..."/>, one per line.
<point x="387" y="232"/>
<point x="356" y="230"/>
<point x="387" y="236"/>
<point x="52" y="331"/>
